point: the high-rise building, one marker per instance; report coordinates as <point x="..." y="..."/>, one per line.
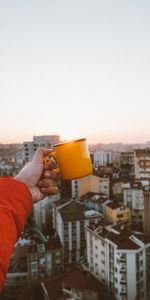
<point x="133" y="198"/>
<point x="42" y="211"/>
<point x="46" y="141"/>
<point x="70" y="220"/>
<point x="142" y="163"/>
<point x="120" y="259"/>
<point x="101" y="158"/>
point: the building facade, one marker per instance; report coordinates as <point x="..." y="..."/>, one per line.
<point x="134" y="199"/>
<point x="92" y="183"/>
<point x="116" y="213"/>
<point x="46" y="141"/>
<point x="71" y="219"/>
<point x="142" y="163"/>
<point x="42" y="211"/>
<point x="101" y="158"/>
<point x="121" y="260"/>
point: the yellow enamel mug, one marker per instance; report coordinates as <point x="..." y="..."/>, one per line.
<point x="73" y="159"/>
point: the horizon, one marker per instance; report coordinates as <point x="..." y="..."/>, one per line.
<point x="65" y="139"/>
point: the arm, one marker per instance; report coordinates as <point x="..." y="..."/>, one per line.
<point x="15" y="206"/>
<point x="34" y="182"/>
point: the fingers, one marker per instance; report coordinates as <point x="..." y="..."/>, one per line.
<point x="48" y="183"/>
<point x="45" y="182"/>
<point x="51" y="190"/>
<point x="51" y="164"/>
<point x="49" y="174"/>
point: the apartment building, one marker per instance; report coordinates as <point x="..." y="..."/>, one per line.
<point x="142" y="163"/>
<point x="46" y="141"/>
<point x="45" y="259"/>
<point x="134" y="199"/>
<point x="94" y="201"/>
<point x="116" y="213"/>
<point x="120" y="259"/>
<point x="42" y="211"/>
<point x="127" y="164"/>
<point x="34" y="257"/>
<point x="80" y="284"/>
<point x="92" y="183"/>
<point x="70" y="221"/>
<point x="101" y="158"/>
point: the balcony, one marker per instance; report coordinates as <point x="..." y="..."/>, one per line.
<point x="123" y="270"/>
<point x="122" y="258"/>
<point x="122" y="293"/>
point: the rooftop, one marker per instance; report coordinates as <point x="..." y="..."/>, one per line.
<point x="75" y="279"/>
<point x="76" y="211"/>
<point x="142" y="152"/>
<point x="115" y="205"/>
<point x="82" y="280"/>
<point x="122" y="236"/>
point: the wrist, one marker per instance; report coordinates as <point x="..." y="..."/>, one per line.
<point x="22" y="179"/>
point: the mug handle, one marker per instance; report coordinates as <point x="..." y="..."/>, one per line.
<point x="46" y="160"/>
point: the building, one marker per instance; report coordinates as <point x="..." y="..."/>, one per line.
<point x="70" y="220"/>
<point x="142" y="163"/>
<point x="127" y="164"/>
<point x="75" y="284"/>
<point x="80" y="284"/>
<point x="42" y="211"/>
<point x="94" y="201"/>
<point x="146" y="192"/>
<point x="116" y="213"/>
<point x="101" y="158"/>
<point x="134" y="199"/>
<point x="120" y="259"/>
<point x="92" y="183"/>
<point x="45" y="259"/>
<point x="46" y="141"/>
<point x="35" y="256"/>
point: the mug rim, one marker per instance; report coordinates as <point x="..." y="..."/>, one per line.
<point x="68" y="142"/>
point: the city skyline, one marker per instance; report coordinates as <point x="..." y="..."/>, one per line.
<point x="76" y="69"/>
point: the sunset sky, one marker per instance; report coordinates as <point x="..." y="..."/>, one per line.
<point x="77" y="68"/>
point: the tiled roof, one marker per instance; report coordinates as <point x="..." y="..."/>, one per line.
<point x="72" y="211"/>
<point x="75" y="211"/>
<point x="114" y="205"/>
<point x="122" y="236"/>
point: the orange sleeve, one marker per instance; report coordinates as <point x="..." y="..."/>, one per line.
<point x="15" y="206"/>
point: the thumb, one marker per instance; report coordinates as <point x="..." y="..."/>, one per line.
<point x="40" y="153"/>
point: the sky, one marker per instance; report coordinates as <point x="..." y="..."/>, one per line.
<point x="76" y="68"/>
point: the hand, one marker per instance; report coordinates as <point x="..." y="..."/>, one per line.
<point x="40" y="179"/>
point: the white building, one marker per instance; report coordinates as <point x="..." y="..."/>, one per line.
<point x="101" y="158"/>
<point x="42" y="211"/>
<point x="133" y="198"/>
<point x="88" y="184"/>
<point x="121" y="260"/>
<point x="46" y="141"/>
<point x="70" y="221"/>
<point x="142" y="163"/>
